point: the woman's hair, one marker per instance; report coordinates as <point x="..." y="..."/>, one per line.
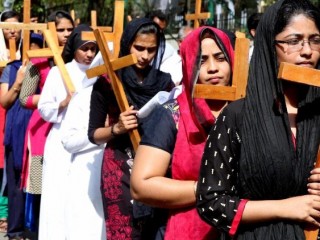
<point x="292" y="8"/>
<point x="9" y="14"/>
<point x="146" y="29"/>
<point x="56" y="16"/>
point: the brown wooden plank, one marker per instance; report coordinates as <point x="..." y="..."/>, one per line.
<point x="12" y="49"/>
<point x="59" y="61"/>
<point x="42" y="53"/>
<point x="53" y="29"/>
<point x="205" y="91"/>
<point x="241" y="66"/>
<point x="116" y="64"/>
<point x="26" y="32"/>
<point x="298" y="74"/>
<point x="240" y="34"/>
<point x="30" y="26"/>
<point x="116" y="83"/>
<point x="93" y="19"/>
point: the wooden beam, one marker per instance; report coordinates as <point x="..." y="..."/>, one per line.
<point x="42" y="53"/>
<point x="13" y="49"/>
<point x="59" y="61"/>
<point x="116" y="83"/>
<point x="298" y="74"/>
<point x="116" y="65"/>
<point x="30" y="26"/>
<point x="241" y="66"/>
<point x="26" y="32"/>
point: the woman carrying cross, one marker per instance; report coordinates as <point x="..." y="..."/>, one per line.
<point x="126" y="218"/>
<point x="256" y="170"/>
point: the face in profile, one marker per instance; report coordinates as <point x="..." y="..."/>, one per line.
<point x="86" y="53"/>
<point x="64" y="29"/>
<point x="214" y="68"/>
<point x="11" y="33"/>
<point x="145" y="48"/>
<point x="299" y="42"/>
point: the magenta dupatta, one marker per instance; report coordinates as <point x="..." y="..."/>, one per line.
<point x="191" y="138"/>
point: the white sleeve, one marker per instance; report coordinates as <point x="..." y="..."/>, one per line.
<point x="75" y="124"/>
<point x="52" y="94"/>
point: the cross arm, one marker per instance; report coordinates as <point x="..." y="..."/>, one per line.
<point x="298" y="74"/>
<point x="25" y="26"/>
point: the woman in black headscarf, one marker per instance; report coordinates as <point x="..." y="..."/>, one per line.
<point x="259" y="155"/>
<point x="126" y="219"/>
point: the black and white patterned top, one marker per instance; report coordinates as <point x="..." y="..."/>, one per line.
<point x="217" y="196"/>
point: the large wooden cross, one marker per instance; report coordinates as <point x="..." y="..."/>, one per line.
<point x="239" y="80"/>
<point x="198" y="15"/>
<point x="117" y="29"/>
<point x="110" y="67"/>
<point x="308" y="76"/>
<point x="94" y="24"/>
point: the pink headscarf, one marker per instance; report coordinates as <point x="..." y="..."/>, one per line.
<point x="191" y="137"/>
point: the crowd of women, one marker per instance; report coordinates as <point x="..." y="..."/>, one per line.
<point x="204" y="169"/>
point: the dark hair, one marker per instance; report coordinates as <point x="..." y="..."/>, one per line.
<point x="290" y="9"/>
<point x="253" y="21"/>
<point x="56" y="16"/>
<point x="10" y="14"/>
<point x="147" y="29"/>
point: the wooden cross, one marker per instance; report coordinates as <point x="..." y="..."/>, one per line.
<point x="26" y="26"/>
<point x="239" y="80"/>
<point x="59" y="61"/>
<point x="117" y="29"/>
<point x="198" y="15"/>
<point x="308" y="76"/>
<point x="94" y="23"/>
<point x="115" y="82"/>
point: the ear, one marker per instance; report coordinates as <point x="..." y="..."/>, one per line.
<point x="253" y="32"/>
